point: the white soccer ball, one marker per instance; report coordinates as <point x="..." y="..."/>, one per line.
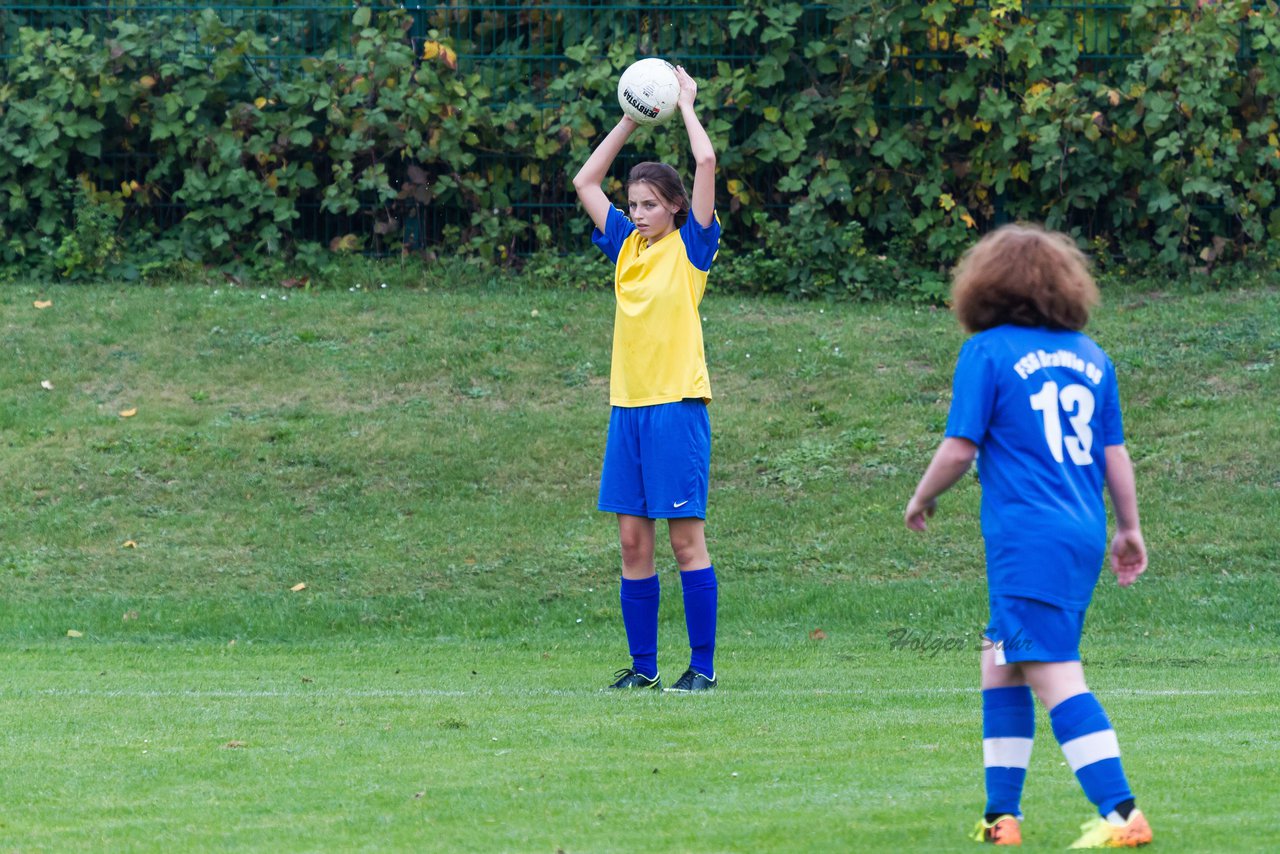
<point x="648" y="90"/>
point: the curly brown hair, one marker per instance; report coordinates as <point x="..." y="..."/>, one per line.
<point x="1025" y="275"/>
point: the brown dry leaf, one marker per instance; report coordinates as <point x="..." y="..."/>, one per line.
<point x="232" y="745"/>
<point x="128" y="413"/>
<point x="46" y="385"/>
<point x="72" y="633"/>
<point x="129" y="544"/>
<point x="817" y="634"/>
<point x="298" y="587"/>
<point x="42" y="303"/>
<point x="446" y="54"/>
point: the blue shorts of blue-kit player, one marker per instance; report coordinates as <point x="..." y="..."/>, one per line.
<point x="657" y="461"/>
<point x="1031" y="630"/>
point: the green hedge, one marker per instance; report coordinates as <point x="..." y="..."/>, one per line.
<point x="863" y="146"/>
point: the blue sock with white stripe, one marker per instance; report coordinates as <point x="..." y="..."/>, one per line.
<point x="1092" y="751"/>
<point x="1008" y="730"/>
<point x="640" y="598"/>
<point x="701" y="595"/>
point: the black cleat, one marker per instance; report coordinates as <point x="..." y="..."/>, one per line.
<point x="692" y="681"/>
<point x="628" y="678"/>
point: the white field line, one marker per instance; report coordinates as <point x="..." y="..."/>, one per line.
<point x="409" y="693"/>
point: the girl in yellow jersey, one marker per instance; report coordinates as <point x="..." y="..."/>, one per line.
<point x="658" y="455"/>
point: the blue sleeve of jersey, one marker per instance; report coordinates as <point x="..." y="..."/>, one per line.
<point x="616" y="230"/>
<point x="973" y="395"/>
<point x="701" y="243"/>
<point x="1112" y="425"/>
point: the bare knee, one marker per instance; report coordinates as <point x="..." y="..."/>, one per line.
<point x="689" y="544"/>
<point x="636" y="550"/>
<point x="1004" y="676"/>
<point x="685" y="552"/>
<point x="1055" y="681"/>
<point x="635" y="536"/>
<point x="995" y="675"/>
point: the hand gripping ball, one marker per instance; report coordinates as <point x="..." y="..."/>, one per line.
<point x="648" y="90"/>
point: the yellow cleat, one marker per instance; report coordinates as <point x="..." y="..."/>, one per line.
<point x="1100" y="833"/>
<point x="1003" y="831"/>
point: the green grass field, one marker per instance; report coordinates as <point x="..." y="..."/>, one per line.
<point x="424" y="459"/>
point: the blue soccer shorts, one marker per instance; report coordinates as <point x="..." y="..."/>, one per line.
<point x="1031" y="630"/>
<point x="657" y="461"/>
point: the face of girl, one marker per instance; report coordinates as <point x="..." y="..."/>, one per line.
<point x="653" y="217"/>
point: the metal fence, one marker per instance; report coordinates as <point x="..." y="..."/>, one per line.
<point x="526" y="40"/>
<point x="296" y="29"/>
<point x="499" y="41"/>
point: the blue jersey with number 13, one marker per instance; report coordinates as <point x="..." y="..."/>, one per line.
<point x="1041" y="405"/>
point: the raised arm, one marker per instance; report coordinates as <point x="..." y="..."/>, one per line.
<point x="1128" y="551"/>
<point x="592" y="174"/>
<point x="703" y="202"/>
<point x="950" y="462"/>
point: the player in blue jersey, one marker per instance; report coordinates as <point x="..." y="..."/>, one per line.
<point x="1035" y="401"/>
<point x="658" y="454"/>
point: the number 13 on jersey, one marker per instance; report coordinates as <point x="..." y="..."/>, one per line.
<point x="1077" y="403"/>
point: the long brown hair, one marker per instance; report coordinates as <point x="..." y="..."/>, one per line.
<point x="1025" y="275"/>
<point x="666" y="184"/>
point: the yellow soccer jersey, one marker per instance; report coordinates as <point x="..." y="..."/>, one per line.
<point x="657" y="331"/>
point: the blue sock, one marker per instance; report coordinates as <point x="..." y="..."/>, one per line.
<point x="1090" y="745"/>
<point x="700" y="599"/>
<point x="640" y="618"/>
<point x="1008" y="729"/>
